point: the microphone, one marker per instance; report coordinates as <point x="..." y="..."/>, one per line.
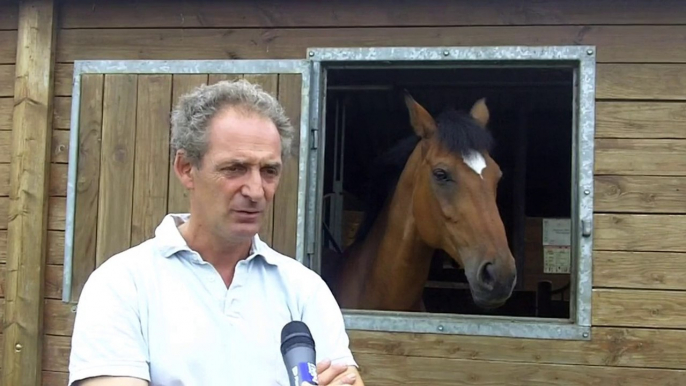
<point x="297" y="349"/>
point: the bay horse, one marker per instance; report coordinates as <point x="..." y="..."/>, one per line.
<point x="434" y="190"/>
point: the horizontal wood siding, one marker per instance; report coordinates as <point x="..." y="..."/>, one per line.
<point x="640" y="248"/>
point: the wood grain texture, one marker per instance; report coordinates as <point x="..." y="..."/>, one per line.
<point x="87" y="182"/>
<point x="62" y="113"/>
<point x="177" y="200"/>
<point x="614" y="80"/>
<point x="57" y="185"/>
<point x="286" y="199"/>
<point x="9" y="15"/>
<point x="55" y="247"/>
<point x="639" y="232"/>
<point x="375" y="13"/>
<point x="386" y="370"/>
<point x="639" y="270"/>
<point x="115" y="198"/>
<point x="621" y="347"/>
<point x="28" y="211"/>
<point x="617" y="44"/>
<point x="53" y="282"/>
<point x="7" y="80"/>
<point x="151" y="162"/>
<point x="640" y="120"/>
<point x="60" y="146"/>
<point x="639" y="308"/>
<point x="55" y="378"/>
<point x="6" y="106"/>
<point x="641" y="81"/>
<point x="655" y="157"/>
<point x="8" y="46"/>
<point x="640" y="194"/>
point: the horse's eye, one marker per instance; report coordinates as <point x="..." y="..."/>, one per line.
<point x="440" y="175"/>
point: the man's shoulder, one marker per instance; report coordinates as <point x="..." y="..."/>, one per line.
<point x="127" y="263"/>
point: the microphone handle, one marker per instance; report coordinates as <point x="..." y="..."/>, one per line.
<point x="301" y="366"/>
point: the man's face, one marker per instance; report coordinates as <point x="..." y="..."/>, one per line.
<point x="238" y="176"/>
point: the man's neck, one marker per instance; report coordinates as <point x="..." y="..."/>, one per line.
<point x="223" y="254"/>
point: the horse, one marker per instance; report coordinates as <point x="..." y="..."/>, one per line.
<point x="435" y="190"/>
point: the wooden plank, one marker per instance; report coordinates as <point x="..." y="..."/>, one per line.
<point x="270" y="84"/>
<point x="9" y="15"/>
<point x="641" y="81"/>
<point x="639" y="232"/>
<point x="640" y="120"/>
<point x="8" y="46"/>
<point x="655" y="157"/>
<point x="62" y="116"/>
<point x="214" y="78"/>
<point x="641" y="270"/>
<point x="58" y="180"/>
<point x="53" y="281"/>
<point x="115" y="199"/>
<point x="639" y="308"/>
<point x="6" y="80"/>
<point x="64" y="73"/>
<point x="59" y="317"/>
<point x="60" y="146"/>
<point x="151" y="156"/>
<point x="387" y="370"/>
<point x="57" y="213"/>
<point x="640" y="194"/>
<point x="29" y="176"/>
<point x="616" y="347"/>
<point x="621" y="347"/>
<point x="177" y="201"/>
<point x="55" y="378"/>
<point x="616" y="44"/>
<point x="55" y="247"/>
<point x="373" y="13"/>
<point x="57" y="185"/>
<point x="286" y="198"/>
<point x="6" y="106"/>
<point x="87" y="182"/>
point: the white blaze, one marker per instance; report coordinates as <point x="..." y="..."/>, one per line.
<point x="475" y="161"/>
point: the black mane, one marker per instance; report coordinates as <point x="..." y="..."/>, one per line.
<point x="456" y="130"/>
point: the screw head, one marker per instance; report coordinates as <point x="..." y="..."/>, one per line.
<point x="446" y="53"/>
<point x="18" y="347"/>
<point x="587" y="192"/>
<point x="440" y="328"/>
<point x="589" y="52"/>
<point x="585" y="334"/>
<point x="311" y="53"/>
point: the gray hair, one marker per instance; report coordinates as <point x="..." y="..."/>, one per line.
<point x="192" y="114"/>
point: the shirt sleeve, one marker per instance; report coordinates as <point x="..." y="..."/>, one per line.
<point x="107" y="339"/>
<point x="324" y="318"/>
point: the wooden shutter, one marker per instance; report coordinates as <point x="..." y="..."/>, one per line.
<point x="125" y="186"/>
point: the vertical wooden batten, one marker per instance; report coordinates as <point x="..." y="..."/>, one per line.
<point x="29" y="177"/>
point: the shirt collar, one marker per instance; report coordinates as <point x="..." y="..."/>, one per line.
<point x="169" y="240"/>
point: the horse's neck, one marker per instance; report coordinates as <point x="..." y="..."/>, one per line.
<point x="402" y="260"/>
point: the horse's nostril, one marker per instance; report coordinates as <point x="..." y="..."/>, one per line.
<point x="487" y="274"/>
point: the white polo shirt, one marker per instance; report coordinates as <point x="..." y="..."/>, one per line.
<point x="159" y="312"/>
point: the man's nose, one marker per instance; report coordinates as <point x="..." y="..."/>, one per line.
<point x="253" y="185"/>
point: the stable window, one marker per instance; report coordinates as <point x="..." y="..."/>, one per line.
<point x="532" y="107"/>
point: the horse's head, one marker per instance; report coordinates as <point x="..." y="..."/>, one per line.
<point x="454" y="198"/>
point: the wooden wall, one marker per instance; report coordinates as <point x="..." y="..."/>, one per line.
<point x="639" y="299"/>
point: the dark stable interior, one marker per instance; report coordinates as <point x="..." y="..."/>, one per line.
<point x="531" y="120"/>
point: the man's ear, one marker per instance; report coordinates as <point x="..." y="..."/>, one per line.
<point x="183" y="170"/>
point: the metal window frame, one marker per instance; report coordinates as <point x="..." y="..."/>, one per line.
<point x="311" y="165"/>
<point x="582" y="59"/>
<point x="142" y="67"/>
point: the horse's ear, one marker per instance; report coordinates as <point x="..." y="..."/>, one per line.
<point x="480" y="112"/>
<point x="422" y="122"/>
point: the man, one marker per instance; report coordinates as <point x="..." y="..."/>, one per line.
<point x="204" y="301"/>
